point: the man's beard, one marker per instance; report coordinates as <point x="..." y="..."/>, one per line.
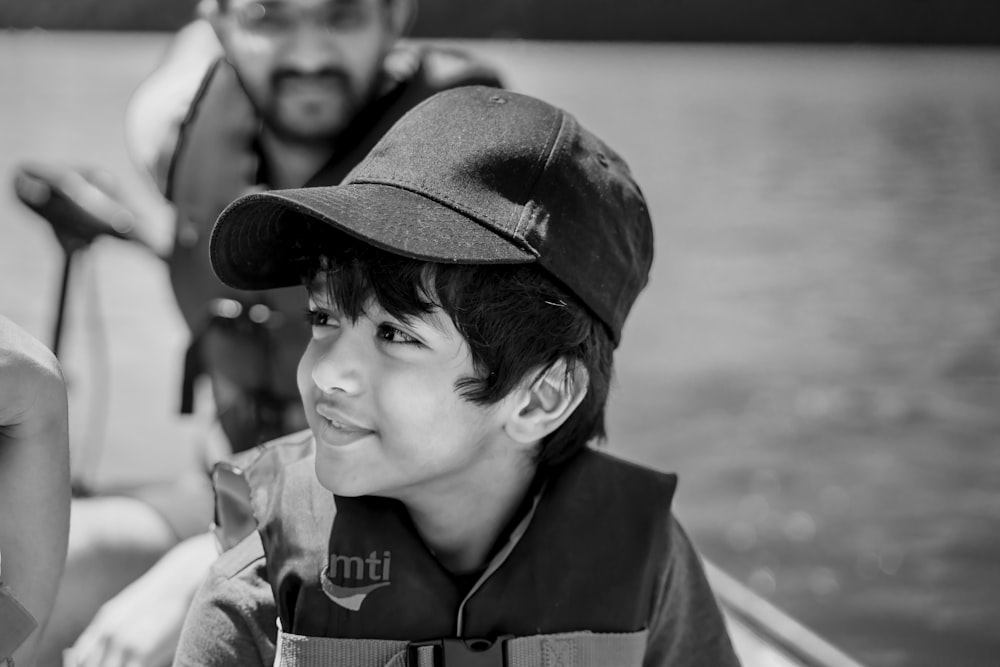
<point x="326" y="124"/>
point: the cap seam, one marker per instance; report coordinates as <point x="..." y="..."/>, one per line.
<point x="439" y="198"/>
<point x="552" y="147"/>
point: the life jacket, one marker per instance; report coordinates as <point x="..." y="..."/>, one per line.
<point x="355" y="584"/>
<point x="249" y="343"/>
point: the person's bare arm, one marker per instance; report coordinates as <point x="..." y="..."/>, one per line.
<point x="34" y="474"/>
<point x="141" y="625"/>
<point x="159" y="105"/>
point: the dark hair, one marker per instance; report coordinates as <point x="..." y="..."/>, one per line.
<point x="515" y="319"/>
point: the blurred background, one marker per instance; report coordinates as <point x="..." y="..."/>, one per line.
<point x="818" y="353"/>
<point x="879" y="21"/>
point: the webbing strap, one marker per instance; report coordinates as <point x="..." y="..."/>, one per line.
<point x="571" y="649"/>
<point x="577" y="649"/>
<point x="299" y="651"/>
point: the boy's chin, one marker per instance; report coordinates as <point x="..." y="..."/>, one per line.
<point x="339" y="486"/>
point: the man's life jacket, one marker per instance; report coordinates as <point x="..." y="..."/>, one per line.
<point x="355" y="584"/>
<point x="249" y="344"/>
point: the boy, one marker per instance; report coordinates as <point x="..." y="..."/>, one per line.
<point x="467" y="285"/>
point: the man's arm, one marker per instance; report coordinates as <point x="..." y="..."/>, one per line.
<point x="161" y="102"/>
<point x="153" y="118"/>
<point x="686" y="626"/>
<point x="34" y="473"/>
<point x="142" y="623"/>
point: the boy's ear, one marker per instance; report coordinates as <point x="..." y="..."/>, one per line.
<point x="547" y="402"/>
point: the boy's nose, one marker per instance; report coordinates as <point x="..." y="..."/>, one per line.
<point x="338" y="365"/>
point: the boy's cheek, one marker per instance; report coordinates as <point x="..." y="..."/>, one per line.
<point x="303" y="374"/>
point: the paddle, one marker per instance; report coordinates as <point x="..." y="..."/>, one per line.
<point x="79" y="211"/>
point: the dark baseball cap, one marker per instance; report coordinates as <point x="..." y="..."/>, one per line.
<point x="472" y="175"/>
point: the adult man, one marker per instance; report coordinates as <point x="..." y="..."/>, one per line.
<point x="302" y="90"/>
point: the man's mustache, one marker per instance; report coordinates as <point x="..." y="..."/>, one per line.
<point x="327" y="75"/>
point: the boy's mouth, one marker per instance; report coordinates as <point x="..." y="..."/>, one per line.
<point x="337" y="434"/>
<point x="338" y="421"/>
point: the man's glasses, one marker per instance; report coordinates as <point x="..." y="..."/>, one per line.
<point x="278" y="18"/>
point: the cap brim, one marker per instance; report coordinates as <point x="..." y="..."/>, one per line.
<point x="257" y="241"/>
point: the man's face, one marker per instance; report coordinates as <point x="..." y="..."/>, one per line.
<point x="380" y="397"/>
<point x="309" y="66"/>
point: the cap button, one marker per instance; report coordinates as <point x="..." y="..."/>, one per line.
<point x="496" y="99"/>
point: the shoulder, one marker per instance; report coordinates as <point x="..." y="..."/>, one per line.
<point x="616" y="461"/>
<point x="243" y="482"/>
<point x="595" y="489"/>
<point x="440" y="68"/>
<point x="448" y="68"/>
<point x="621" y="476"/>
<point x="243" y="563"/>
<point x="686" y="624"/>
<point x="160" y="103"/>
<point x="293" y="446"/>
<point x="238" y="580"/>
<point x="274" y="462"/>
<point x="232" y="619"/>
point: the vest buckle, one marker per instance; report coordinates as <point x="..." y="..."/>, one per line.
<point x="458" y="652"/>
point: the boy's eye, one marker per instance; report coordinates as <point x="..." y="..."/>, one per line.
<point x="316" y="318"/>
<point x="388" y="333"/>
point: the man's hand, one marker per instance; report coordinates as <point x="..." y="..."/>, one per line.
<point x="34" y="473"/>
<point x="141" y="625"/>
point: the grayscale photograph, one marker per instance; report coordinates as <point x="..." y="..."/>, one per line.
<point x="538" y="333"/>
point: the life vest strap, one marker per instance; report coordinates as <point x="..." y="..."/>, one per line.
<point x="571" y="649"/>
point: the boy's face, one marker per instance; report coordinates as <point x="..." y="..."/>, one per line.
<point x="380" y="397"/>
